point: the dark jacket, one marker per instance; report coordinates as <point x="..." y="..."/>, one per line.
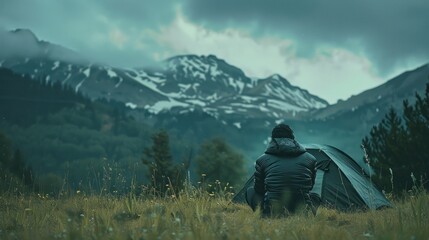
<point x="285" y="168"/>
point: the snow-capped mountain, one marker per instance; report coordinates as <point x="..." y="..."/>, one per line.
<point x="203" y="96"/>
<point x="178" y="85"/>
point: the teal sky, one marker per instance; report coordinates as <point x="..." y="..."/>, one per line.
<point x="332" y="48"/>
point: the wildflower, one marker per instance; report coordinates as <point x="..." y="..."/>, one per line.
<point x="413" y="178"/>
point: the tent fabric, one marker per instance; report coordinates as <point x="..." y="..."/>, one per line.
<point x="340" y="182"/>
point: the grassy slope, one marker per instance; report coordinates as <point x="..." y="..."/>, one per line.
<point x="198" y="217"/>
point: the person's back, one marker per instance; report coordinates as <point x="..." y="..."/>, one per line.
<point x="285" y="174"/>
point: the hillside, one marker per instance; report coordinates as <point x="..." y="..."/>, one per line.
<point x="62" y="133"/>
<point x="198" y="97"/>
<point x="376" y="100"/>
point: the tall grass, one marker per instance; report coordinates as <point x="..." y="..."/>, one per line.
<point x="201" y="212"/>
<point x="196" y="214"/>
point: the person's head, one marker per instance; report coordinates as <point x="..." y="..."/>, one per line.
<point x="282" y="131"/>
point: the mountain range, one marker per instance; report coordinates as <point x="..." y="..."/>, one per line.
<point x="191" y="89"/>
<point x="179" y="84"/>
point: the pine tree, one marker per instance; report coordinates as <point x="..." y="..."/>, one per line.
<point x="385" y="146"/>
<point x="163" y="173"/>
<point x="14" y="163"/>
<point x="416" y="118"/>
<point x="398" y="147"/>
<point x="5" y="151"/>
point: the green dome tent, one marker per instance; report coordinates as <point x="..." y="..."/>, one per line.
<point x="340" y="182"/>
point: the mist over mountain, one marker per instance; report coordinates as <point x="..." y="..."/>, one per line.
<point x="204" y="96"/>
<point x="23" y="43"/>
<point x="179" y="84"/>
<point x="392" y="93"/>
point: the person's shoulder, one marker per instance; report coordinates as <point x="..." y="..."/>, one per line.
<point x="309" y="156"/>
<point x="263" y="158"/>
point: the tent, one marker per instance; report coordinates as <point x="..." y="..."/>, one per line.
<point x="340" y="182"/>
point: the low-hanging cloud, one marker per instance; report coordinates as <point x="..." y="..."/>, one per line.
<point x="109" y="31"/>
<point x="389" y="32"/>
<point x="353" y="45"/>
<point x="14" y="45"/>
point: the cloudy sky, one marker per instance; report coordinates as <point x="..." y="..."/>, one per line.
<point x="332" y="48"/>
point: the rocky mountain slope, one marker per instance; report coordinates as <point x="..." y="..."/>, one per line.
<point x="377" y="100"/>
<point x="179" y="84"/>
<point x="203" y="96"/>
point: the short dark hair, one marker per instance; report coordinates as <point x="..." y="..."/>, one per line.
<point x="282" y="131"/>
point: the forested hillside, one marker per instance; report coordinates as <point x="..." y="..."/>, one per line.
<point x="65" y="137"/>
<point x="70" y="142"/>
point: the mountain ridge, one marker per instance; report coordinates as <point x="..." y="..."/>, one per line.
<point x="190" y="93"/>
<point x="183" y="83"/>
<point x="392" y="92"/>
<point x="23" y="43"/>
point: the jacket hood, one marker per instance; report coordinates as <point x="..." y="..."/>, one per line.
<point x="285" y="147"/>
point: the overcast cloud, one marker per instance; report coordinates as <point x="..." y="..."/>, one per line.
<point x="387" y="31"/>
<point x="352" y="45"/>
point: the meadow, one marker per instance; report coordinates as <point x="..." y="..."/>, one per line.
<point x="197" y="215"/>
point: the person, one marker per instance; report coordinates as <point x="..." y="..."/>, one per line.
<point x="284" y="176"/>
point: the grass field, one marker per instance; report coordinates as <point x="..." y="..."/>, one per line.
<point x="198" y="217"/>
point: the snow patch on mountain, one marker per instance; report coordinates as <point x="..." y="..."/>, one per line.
<point x="119" y="82"/>
<point x="56" y="65"/>
<point x="79" y="85"/>
<point x="281" y="105"/>
<point x="248" y="99"/>
<point x="131" y="105"/>
<point x="263" y="108"/>
<point x="199" y="75"/>
<point x="87" y="72"/>
<point x="196" y="102"/>
<point x="111" y="73"/>
<point x="212" y="98"/>
<point x="165" y="105"/>
<point x="229" y="111"/>
<point x="143" y="80"/>
<point x="214" y="71"/>
<point x="238" y="85"/>
<point x="184" y="87"/>
<point x="67" y="78"/>
<point x="276" y="77"/>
